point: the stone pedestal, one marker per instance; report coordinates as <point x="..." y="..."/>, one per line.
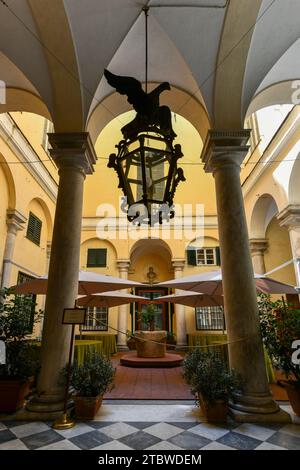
<point x="150" y="343"/>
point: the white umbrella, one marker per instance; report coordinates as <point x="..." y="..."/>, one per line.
<point x="192" y="299"/>
<point x="211" y="283"/>
<point x="88" y="283"/>
<point x="108" y="299"/>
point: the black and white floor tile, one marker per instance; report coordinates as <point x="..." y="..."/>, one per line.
<point x="148" y="426"/>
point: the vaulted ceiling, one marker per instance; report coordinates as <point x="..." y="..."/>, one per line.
<point x="223" y="58"/>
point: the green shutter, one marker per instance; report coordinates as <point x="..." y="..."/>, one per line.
<point x="218" y="256"/>
<point x="34" y="229"/>
<point x="96" y="257"/>
<point x="191" y="256"/>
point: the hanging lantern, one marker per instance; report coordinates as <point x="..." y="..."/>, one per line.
<point x="146" y="162"/>
<point x="148" y="175"/>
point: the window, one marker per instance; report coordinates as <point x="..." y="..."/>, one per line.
<point x="22" y="277"/>
<point x="206" y="256"/>
<point x="34" y="229"/>
<point x="203" y="256"/>
<point x="210" y="318"/>
<point x="96" y="257"/>
<point x="96" y="319"/>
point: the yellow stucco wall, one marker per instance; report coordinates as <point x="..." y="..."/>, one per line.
<point x="278" y="252"/>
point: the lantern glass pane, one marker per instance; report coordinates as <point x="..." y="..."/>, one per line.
<point x="157" y="168"/>
<point x="131" y="166"/>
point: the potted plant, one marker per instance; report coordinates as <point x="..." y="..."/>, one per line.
<point x="22" y="364"/>
<point x="212" y="383"/>
<point x="150" y="343"/>
<point x="91" y="380"/>
<point x="148" y="317"/>
<point x="280" y="327"/>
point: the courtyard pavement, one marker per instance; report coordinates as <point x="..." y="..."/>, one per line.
<point x="150" y="425"/>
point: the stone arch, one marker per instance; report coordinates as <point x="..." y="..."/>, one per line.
<point x="95" y="242"/>
<point x="278" y="93"/>
<point x="10" y="182"/>
<point x="23" y="100"/>
<point x="264" y="210"/>
<point x="293" y="183"/>
<point x="205" y="240"/>
<point x="114" y="105"/>
<point x="37" y="201"/>
<point x="154" y="253"/>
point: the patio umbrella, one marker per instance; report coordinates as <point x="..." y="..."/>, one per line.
<point x="192" y="299"/>
<point x="88" y="283"/>
<point x="211" y="283"/>
<point x="108" y="299"/>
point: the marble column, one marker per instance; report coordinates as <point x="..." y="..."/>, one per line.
<point x="258" y="247"/>
<point x="74" y="155"/>
<point x="222" y="155"/>
<point x="181" y="343"/>
<point x="123" y="267"/>
<point x="48" y="254"/>
<point x="15" y="221"/>
<point x="290" y="218"/>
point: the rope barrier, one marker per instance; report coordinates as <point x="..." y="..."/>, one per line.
<point x="221" y="343"/>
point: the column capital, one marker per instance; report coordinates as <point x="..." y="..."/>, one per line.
<point x="289" y="217"/>
<point x="15" y="220"/>
<point x="258" y="245"/>
<point x="73" y="150"/>
<point x="178" y="264"/>
<point x="224" y="147"/>
<point x="123" y="265"/>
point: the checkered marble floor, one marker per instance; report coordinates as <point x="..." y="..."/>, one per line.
<point x="179" y="429"/>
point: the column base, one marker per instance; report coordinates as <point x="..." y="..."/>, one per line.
<point x="262" y="403"/>
<point x="181" y="347"/>
<point x="279" y="416"/>
<point x="47" y="404"/>
<point x="122" y="348"/>
<point x="25" y="415"/>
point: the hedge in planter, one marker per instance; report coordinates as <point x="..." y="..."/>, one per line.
<point x="91" y="380"/>
<point x="22" y="364"/>
<point x="212" y="383"/>
<point x="280" y="327"/>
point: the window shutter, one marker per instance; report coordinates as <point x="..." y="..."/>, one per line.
<point x="218" y="256"/>
<point x="96" y="257"/>
<point x="34" y="229"/>
<point x="192" y="256"/>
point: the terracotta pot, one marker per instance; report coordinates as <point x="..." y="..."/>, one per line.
<point x="214" y="412"/>
<point x="87" y="407"/>
<point x="12" y="394"/>
<point x="293" y="392"/>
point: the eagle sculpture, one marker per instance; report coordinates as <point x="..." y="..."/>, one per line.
<point x="150" y="115"/>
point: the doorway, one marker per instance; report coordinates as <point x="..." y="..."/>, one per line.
<point x="161" y="310"/>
